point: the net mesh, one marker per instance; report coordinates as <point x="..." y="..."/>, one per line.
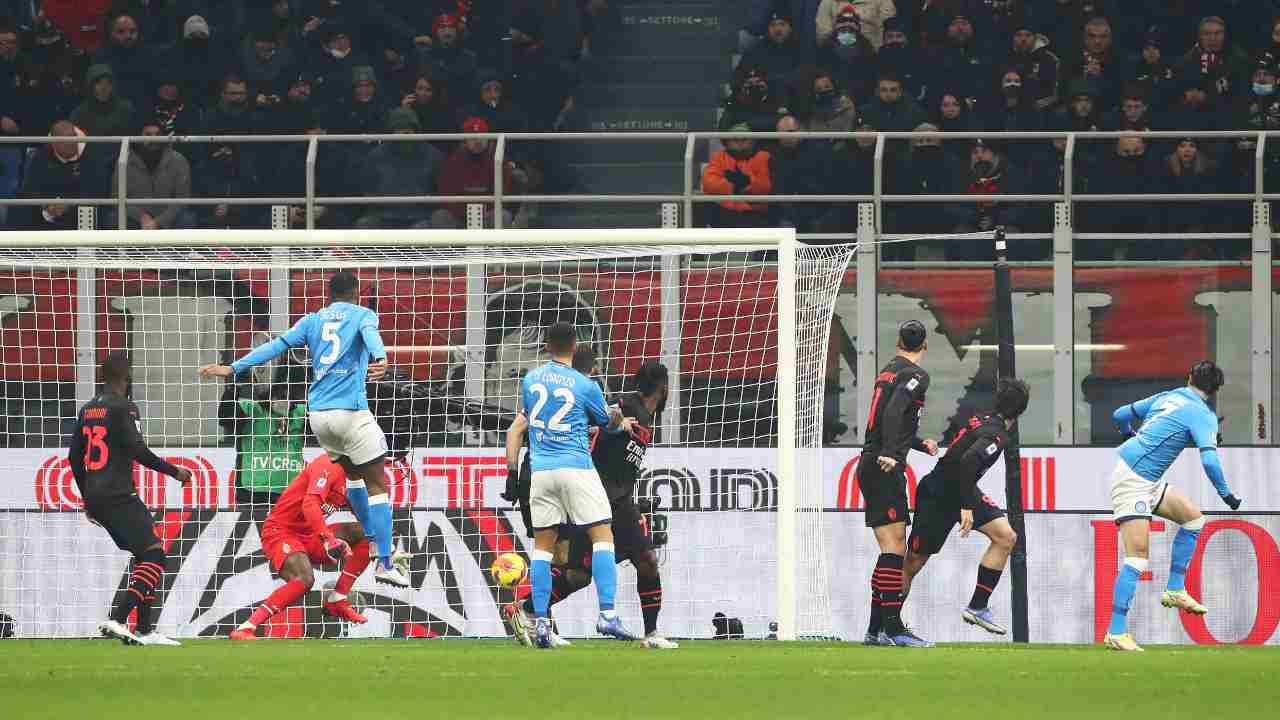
<point x="462" y="324"/>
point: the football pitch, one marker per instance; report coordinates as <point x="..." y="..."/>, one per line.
<point x="706" y="679"/>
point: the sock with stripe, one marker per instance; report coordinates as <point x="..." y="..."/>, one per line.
<point x="887" y="579"/>
<point x="650" y="590"/>
<point x="987" y="581"/>
<point x="540" y="581"/>
<point x="1122" y="595"/>
<point x="1184" y="546"/>
<point x="283" y="597"/>
<point x="604" y="572"/>
<point x="380" y="519"/>
<point x="351" y="569"/>
<point x="148" y="572"/>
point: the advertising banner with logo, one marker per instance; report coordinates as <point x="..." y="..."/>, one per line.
<point x="58" y="573"/>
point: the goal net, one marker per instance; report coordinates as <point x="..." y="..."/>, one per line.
<point x="731" y="488"/>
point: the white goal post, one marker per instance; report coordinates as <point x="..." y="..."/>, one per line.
<point x="740" y="318"/>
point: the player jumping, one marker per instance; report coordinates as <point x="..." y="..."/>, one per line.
<point x="105" y="443"/>
<point x="1170" y="421"/>
<point x="296" y="534"/>
<point x="342" y="339"/>
<point x="897" y="402"/>
<point x="618" y="458"/>
<point x="949" y="495"/>
<point x="565" y="487"/>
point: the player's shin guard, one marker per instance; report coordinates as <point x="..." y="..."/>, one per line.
<point x="351" y="569"/>
<point x="988" y="578"/>
<point x="283" y="597"/>
<point x="1122" y="595"/>
<point x="1184" y="546"/>
<point x="650" y="590"/>
<point x="886" y="581"/>
<point x="380" y="519"/>
<point x="358" y="498"/>
<point x="148" y="571"/>
<point x="604" y="571"/>
<point x="540" y="581"/>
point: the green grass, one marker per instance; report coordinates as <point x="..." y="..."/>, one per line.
<point x="456" y="678"/>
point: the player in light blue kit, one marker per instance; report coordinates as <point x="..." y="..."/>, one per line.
<point x="342" y="339"/>
<point x="565" y="488"/>
<point x="1170" y="421"/>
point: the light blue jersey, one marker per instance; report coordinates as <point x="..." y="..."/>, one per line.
<point x="341" y="339"/>
<point x="559" y="402"/>
<point x="1170" y="422"/>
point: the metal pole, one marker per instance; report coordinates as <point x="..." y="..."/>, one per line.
<point x="867" y="269"/>
<point x="499" y="159"/>
<point x="1063" y="430"/>
<point x="312" y="148"/>
<point x="122" y="185"/>
<point x="86" y="322"/>
<point x="1261" y="298"/>
<point x="476" y="305"/>
<point x="1006" y="368"/>
<point x="877" y="182"/>
<point x="1068" y="170"/>
<point x="689" y="145"/>
<point x="669" y="281"/>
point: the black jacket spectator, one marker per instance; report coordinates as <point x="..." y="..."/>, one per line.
<point x="131" y="60"/>
<point x="175" y="113"/>
<point x="1134" y="112"/>
<point x="48" y="81"/>
<point x="800" y="167"/>
<point x="1036" y="64"/>
<point x="364" y="111"/>
<point x="891" y="110"/>
<point x="447" y="58"/>
<point x="227" y="172"/>
<point x="958" y="65"/>
<point x="1152" y="69"/>
<point x="103" y="112"/>
<point x="1186" y="171"/>
<point x="493" y="105"/>
<point x="199" y="63"/>
<point x="752" y="102"/>
<point x="987" y="172"/>
<point x="429" y="100"/>
<point x="541" y="85"/>
<point x="331" y="62"/>
<point x="901" y="57"/>
<point x="1222" y="68"/>
<point x="267" y="67"/>
<point x="334" y="177"/>
<point x="1099" y="63"/>
<point x="926" y="169"/>
<point x="1125" y="168"/>
<point x="781" y="53"/>
<point x="850" y="57"/>
<point x="65" y="170"/>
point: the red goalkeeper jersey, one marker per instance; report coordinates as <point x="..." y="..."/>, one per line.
<point x="321" y="479"/>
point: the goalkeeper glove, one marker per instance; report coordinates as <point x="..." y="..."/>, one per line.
<point x="1232" y="501"/>
<point x="511" y="493"/>
<point x="335" y="547"/>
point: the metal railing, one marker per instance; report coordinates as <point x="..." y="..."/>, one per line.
<point x="870" y="225"/>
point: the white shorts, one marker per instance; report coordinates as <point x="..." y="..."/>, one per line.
<point x="353" y="434"/>
<point x="568" y="495"/>
<point x="1133" y="496"/>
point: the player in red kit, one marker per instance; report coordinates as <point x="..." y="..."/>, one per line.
<point x="297" y="535"/>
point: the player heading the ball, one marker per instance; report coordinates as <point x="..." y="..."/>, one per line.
<point x="346" y="352"/>
<point x="1170" y="421"/>
<point x="105" y="443"/>
<point x="565" y="488"/>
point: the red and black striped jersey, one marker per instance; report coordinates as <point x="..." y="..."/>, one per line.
<point x="897" y="402"/>
<point x="106" y="440"/>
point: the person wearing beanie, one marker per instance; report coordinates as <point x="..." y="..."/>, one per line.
<point x="871" y="13"/>
<point x="398" y="168"/>
<point x="850" y="56"/>
<point x="751" y="101"/>
<point x="103" y="112"/>
<point x="365" y="110"/>
<point x="1153" y="69"/>
<point x="780" y="54"/>
<point x="986" y="172"/>
<point x="267" y="67"/>
<point x="333" y="62"/>
<point x="469" y="171"/>
<point x="924" y="169"/>
<point x="900" y="55"/>
<point x="199" y="63"/>
<point x="739" y="169"/>
<point x="453" y="63"/>
<point x="131" y="59"/>
<point x="491" y="103"/>
<point x="1035" y="62"/>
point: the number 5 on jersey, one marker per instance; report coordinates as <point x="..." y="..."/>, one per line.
<point x="554" y="425"/>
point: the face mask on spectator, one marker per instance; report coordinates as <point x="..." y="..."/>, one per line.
<point x="1264" y="89"/>
<point x="1012" y="87"/>
<point x="825" y="98"/>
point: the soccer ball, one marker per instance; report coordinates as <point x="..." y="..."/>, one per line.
<point x="509" y="570"/>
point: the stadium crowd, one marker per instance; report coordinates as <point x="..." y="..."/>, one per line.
<point x="1003" y="66"/>
<point x="225" y="67"/>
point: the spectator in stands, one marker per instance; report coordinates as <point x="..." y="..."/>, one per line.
<point x="1258" y="109"/>
<point x="781" y="53"/>
<point x="899" y="56"/>
<point x="233" y="114"/>
<point x="953" y="115"/>
<point x="456" y="65"/>
<point x="1014" y="110"/>
<point x="850" y="56"/>
<point x="429" y="101"/>
<point x="103" y="112"/>
<point x="827" y="109"/>
<point x="986" y="173"/>
<point x="364" y="112"/>
<point x="924" y="170"/>
<point x="200" y="64"/>
<point x="131" y="60"/>
<point x="396" y="70"/>
<point x="50" y="75"/>
<point x="332" y="176"/>
<point x="298" y="110"/>
<point x="333" y="62"/>
<point x="800" y="167"/>
<point x="64" y="169"/>
<point x="268" y="422"/>
<point x="1223" y="68"/>
<point x="1126" y="170"/>
<point x="1099" y="63"/>
<point x="1062" y="21"/>
<point x="760" y="12"/>
<point x="751" y="101"/>
<point x="1134" y="112"/>
<point x="739" y="169"/>
<point x="229" y="171"/>
<point x="891" y="110"/>
<point x="543" y="86"/>
<point x="1198" y="110"/>
<point x="469" y="171"/>
<point x="155" y="170"/>
<point x="1081" y="112"/>
<point x="10" y="79"/>
<point x="1036" y="64"/>
<point x="81" y="22"/>
<point x="1153" y="69"/>
<point x="872" y="13"/>
<point x="959" y="65"/>
<point x="399" y="168"/>
<point x="170" y="108"/>
<point x="496" y="109"/>
<point x="267" y="67"/>
<point x="1186" y="171"/>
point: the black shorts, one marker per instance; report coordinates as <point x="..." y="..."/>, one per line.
<point x="630" y="536"/>
<point x="126" y="519"/>
<point x="937" y="514"/>
<point x="886" y="492"/>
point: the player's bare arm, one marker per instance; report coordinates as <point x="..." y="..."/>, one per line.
<point x="215" y="370"/>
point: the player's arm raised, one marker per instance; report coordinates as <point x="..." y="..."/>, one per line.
<point x="295" y="336"/>
<point x="1204" y="431"/>
<point x="373" y="343"/>
<point x="896" y="433"/>
<point x="126" y="426"/>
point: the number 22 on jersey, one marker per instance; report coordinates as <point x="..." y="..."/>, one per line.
<point x="555" y="424"/>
